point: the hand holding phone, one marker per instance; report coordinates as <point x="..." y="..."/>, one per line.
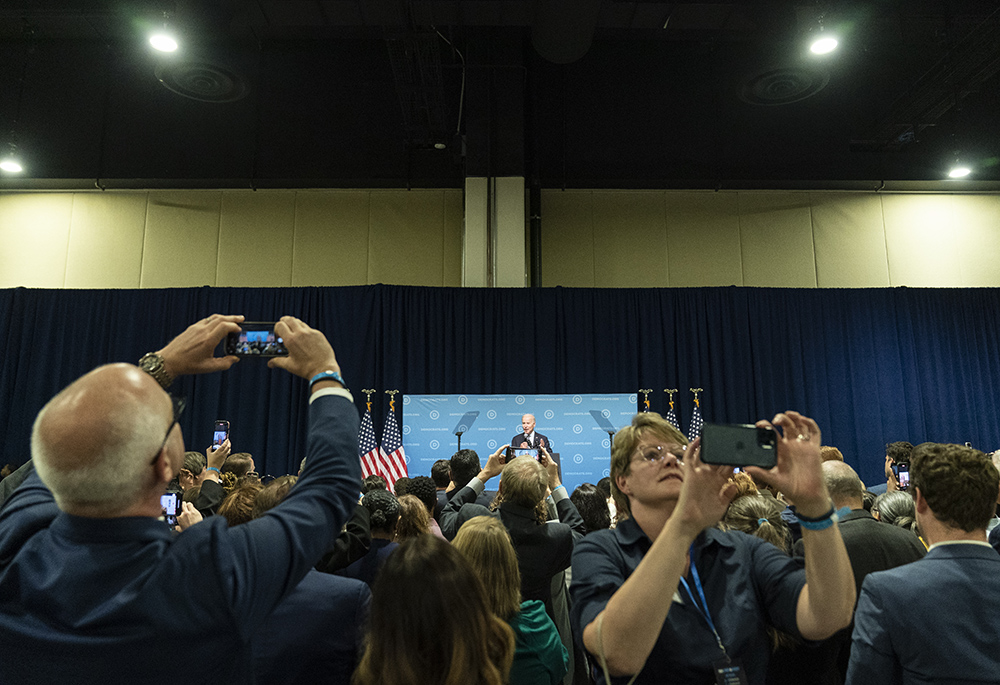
<point x="220" y="434"/>
<point x="903" y="475"/>
<point x="255" y="339"/>
<point x="216" y="456"/>
<point x="171" y="503"/>
<point x="739" y="445"/>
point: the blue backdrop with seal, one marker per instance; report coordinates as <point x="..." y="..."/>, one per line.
<point x="489" y="421"/>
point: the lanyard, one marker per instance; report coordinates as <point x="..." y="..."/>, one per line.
<point x="703" y="607"/>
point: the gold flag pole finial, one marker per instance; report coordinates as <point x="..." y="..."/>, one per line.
<point x="645" y="392"/>
<point x="670" y="396"/>
<point x="696" y="391"/>
<point x="368" y="397"/>
<point x="392" y="399"/>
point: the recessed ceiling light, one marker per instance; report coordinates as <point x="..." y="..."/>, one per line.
<point x="163" y="42"/>
<point x="11" y="165"/>
<point x="960" y="172"/>
<point x="822" y="46"/>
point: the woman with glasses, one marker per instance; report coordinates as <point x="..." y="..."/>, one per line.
<point x="666" y="598"/>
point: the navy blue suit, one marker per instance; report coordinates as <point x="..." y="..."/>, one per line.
<point x="314" y="635"/>
<point x="540" y="441"/>
<point x="936" y="620"/>
<point x="122" y="599"/>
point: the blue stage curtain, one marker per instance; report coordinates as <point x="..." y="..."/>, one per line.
<point x="872" y="366"/>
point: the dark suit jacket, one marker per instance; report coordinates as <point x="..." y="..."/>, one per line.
<point x="484" y="499"/>
<point x="442" y="501"/>
<point x="871" y="546"/>
<point x="542" y="550"/>
<point x="933" y="621"/>
<point x="519" y="438"/>
<point x="314" y="634"/>
<point x="352" y="544"/>
<point x="209" y="498"/>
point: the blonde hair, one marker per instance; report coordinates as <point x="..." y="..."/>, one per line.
<point x="644" y="425"/>
<point x="485" y="542"/>
<point x="413" y="518"/>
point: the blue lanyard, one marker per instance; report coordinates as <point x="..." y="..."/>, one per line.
<point x="703" y="607"/>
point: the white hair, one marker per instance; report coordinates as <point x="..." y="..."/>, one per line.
<point x="111" y="477"/>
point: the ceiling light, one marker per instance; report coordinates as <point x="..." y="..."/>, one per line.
<point x="959" y="172"/>
<point x="163" y="42"/>
<point x="10" y="164"/>
<point x="824" y="45"/>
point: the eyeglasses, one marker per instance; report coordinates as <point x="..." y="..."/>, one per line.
<point x="178" y="406"/>
<point x="654" y="454"/>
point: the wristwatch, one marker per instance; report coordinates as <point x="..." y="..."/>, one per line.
<point x="152" y="364"/>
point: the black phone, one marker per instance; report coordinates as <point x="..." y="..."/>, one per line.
<point x="220" y="434"/>
<point x="533" y="452"/>
<point x="255" y="339"/>
<point x="739" y="445"/>
<point x="903" y="475"/>
<point x="171" y="503"/>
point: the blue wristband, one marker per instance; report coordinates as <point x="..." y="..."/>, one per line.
<point x="817" y="525"/>
<point x="327" y="376"/>
<point x="212" y="468"/>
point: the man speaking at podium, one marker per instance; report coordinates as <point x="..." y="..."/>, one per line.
<point x="529" y="438"/>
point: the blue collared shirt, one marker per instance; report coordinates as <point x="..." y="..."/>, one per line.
<point x="749" y="585"/>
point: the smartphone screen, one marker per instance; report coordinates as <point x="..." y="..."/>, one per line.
<point x="255" y="339"/>
<point x="903" y="475"/>
<point x="220" y="433"/>
<point x="533" y="452"/>
<point x="171" y="503"/>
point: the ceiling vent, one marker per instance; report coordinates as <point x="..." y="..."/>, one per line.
<point x="783" y="85"/>
<point x="202" y="81"/>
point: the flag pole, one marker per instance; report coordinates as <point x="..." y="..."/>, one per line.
<point x="645" y="400"/>
<point x="671" y="416"/>
<point x="694" y="429"/>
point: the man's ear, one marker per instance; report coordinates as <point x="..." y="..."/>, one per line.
<point x="919" y="502"/>
<point x="164" y="471"/>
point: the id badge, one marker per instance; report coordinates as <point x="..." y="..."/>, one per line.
<point x="729" y="672"/>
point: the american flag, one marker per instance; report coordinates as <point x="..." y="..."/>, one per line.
<point x="694" y="430"/>
<point x="393" y="457"/>
<point x="672" y="417"/>
<point x="368" y="448"/>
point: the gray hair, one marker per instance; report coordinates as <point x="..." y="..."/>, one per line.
<point x="110" y="476"/>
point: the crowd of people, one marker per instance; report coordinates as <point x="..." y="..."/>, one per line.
<point x="669" y="570"/>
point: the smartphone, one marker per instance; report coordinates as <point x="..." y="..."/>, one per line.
<point x="171" y="503"/>
<point x="903" y="475"/>
<point x="255" y="339"/>
<point x="739" y="445"/>
<point x="533" y="452"/>
<point x="220" y="434"/>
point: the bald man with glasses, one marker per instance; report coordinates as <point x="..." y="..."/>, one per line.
<point x="94" y="588"/>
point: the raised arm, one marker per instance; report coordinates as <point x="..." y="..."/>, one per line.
<point x="826" y="602"/>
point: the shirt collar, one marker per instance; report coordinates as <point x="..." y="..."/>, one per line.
<point x="981" y="543"/>
<point x="629" y="533"/>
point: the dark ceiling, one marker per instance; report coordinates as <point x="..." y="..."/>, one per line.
<point x="569" y="93"/>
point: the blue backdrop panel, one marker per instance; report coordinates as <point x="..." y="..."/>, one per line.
<point x="429" y="422"/>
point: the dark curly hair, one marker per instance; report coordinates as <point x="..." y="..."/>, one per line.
<point x="384" y="509"/>
<point x="423" y="488"/>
